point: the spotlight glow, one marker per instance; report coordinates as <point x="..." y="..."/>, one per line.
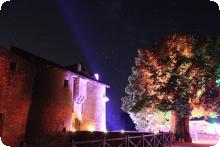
<point x="105" y="131"/>
<point x="91" y="128"/>
<point x="106" y="99"/>
<point x="122" y="131"/>
<point x="73" y="130"/>
<point x="96" y="76"/>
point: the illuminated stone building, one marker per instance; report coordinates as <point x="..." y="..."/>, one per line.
<point x="39" y="98"/>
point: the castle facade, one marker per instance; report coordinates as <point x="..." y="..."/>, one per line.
<point x="39" y="98"/>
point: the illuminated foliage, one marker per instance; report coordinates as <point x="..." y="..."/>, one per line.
<point x="153" y="122"/>
<point x="181" y="74"/>
<point x="197" y="112"/>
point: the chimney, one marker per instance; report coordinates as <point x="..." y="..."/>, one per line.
<point x="79" y="67"/>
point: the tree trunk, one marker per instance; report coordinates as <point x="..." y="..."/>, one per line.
<point x="182" y="128"/>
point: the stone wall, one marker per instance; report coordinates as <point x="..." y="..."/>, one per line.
<point x="95" y="103"/>
<point x="40" y="100"/>
<point x="51" y="108"/>
<point x="16" y="80"/>
<point x="79" y="96"/>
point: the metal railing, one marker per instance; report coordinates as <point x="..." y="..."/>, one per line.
<point x="143" y="140"/>
<point x="162" y="139"/>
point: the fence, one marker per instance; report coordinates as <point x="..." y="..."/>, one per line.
<point x="143" y="140"/>
<point x="127" y="139"/>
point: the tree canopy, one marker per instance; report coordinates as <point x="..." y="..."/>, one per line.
<point x="180" y="74"/>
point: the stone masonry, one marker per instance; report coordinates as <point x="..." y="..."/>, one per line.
<point x="39" y="98"/>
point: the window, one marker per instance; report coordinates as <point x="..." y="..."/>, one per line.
<point x="66" y="83"/>
<point x="12" y="66"/>
<point x="80" y="99"/>
<point x="64" y="130"/>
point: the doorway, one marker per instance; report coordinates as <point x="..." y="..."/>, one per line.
<point x="77" y="124"/>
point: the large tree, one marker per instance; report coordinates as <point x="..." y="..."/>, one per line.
<point x="181" y="74"/>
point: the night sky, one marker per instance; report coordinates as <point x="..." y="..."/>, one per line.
<point x="104" y="35"/>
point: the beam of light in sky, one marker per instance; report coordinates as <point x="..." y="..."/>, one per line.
<point x="76" y="25"/>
